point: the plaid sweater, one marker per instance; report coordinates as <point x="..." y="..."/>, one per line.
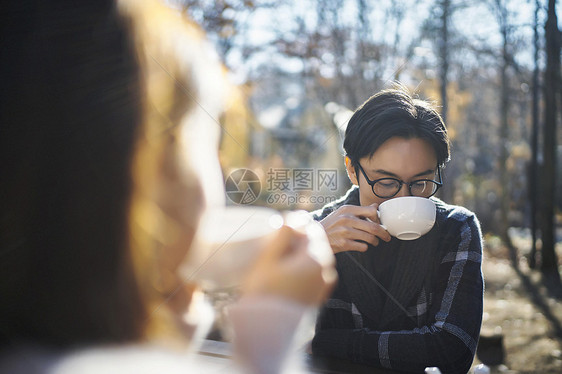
<point x="407" y="305"/>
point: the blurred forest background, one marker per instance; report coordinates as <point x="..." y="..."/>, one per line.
<point x="492" y="66"/>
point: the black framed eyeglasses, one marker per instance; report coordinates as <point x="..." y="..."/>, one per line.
<point x="389" y="187"/>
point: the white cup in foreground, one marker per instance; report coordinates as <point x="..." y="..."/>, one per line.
<point x="227" y="243"/>
<point x="408" y="217"/>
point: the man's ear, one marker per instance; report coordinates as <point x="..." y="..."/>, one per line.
<point x="351" y="171"/>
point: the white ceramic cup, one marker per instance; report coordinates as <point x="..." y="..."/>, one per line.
<point x="227" y="243"/>
<point x="408" y="217"/>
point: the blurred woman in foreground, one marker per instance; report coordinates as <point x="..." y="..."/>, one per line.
<point x="108" y="151"/>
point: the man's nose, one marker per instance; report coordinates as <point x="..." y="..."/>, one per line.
<point x="404" y="191"/>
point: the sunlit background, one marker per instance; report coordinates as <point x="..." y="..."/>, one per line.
<point x="302" y="67"/>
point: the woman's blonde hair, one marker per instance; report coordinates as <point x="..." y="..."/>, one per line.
<point x="184" y="92"/>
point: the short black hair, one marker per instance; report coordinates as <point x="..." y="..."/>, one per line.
<point x="394" y="113"/>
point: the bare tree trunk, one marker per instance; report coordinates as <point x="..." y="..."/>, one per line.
<point x="504" y="125"/>
<point x="363" y="32"/>
<point x="444" y="57"/>
<point x="447" y="192"/>
<point x="534" y="142"/>
<point x="549" y="266"/>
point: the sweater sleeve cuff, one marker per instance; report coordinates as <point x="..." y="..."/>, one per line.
<point x="333" y="343"/>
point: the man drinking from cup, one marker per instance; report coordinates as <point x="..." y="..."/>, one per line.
<point x="412" y="299"/>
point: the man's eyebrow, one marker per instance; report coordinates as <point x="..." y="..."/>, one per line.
<point x="390" y="174"/>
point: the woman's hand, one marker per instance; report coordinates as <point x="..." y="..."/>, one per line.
<point x="286" y="269"/>
<point x="351" y="227"/>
